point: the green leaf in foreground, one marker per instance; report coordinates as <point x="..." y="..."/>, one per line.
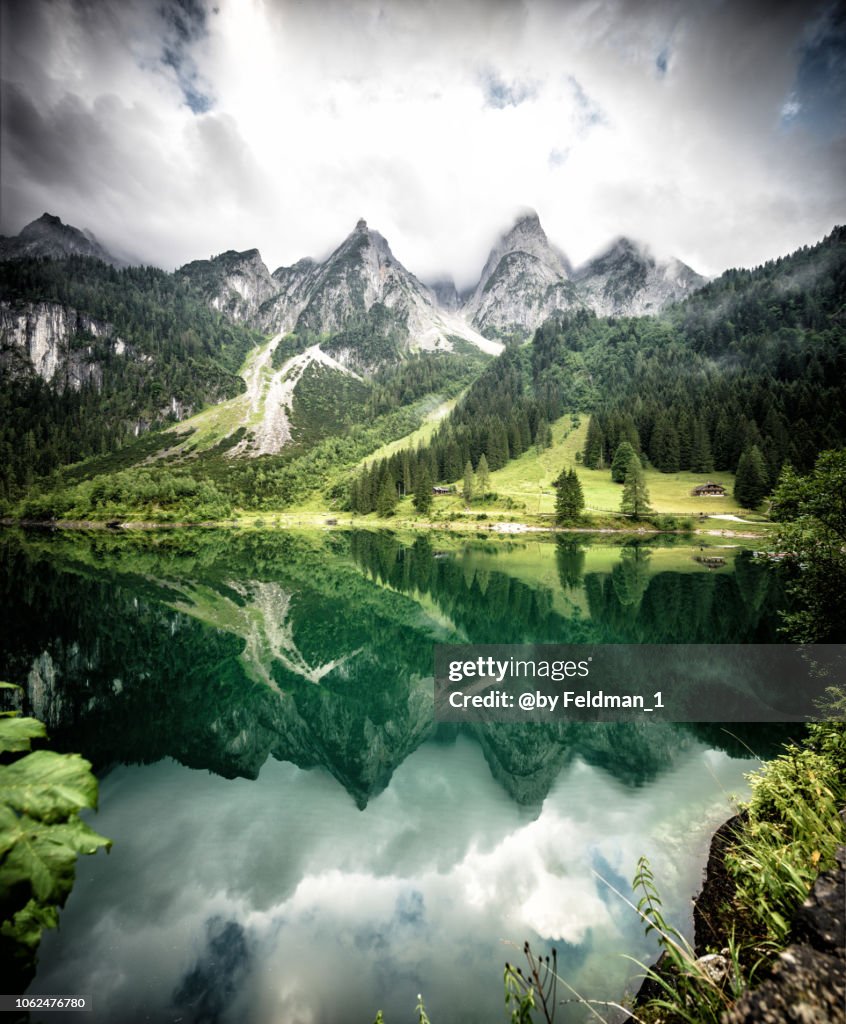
<point x="26" y="926"/>
<point x="16" y="734"/>
<point x="41" y="835"/>
<point x="48" y="786"/>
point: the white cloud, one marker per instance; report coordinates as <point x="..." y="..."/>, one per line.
<point x="436" y="122"/>
<point x="343" y="911"/>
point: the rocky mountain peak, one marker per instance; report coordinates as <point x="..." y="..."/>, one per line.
<point x="46" y="219"/>
<point x="235" y="283"/>
<point x="524" y="281"/>
<point x="47" y="237"/>
<point x="527" y="227"/>
<point x="365" y="246"/>
<point x="625" y="246"/>
<point x="626" y="279"/>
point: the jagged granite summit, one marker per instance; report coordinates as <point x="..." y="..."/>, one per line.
<point x="361" y="286"/>
<point x="365" y="308"/>
<point x="626" y="280"/>
<point x="526" y="280"/>
<point x="49" y="238"/>
<point x="233" y="283"/>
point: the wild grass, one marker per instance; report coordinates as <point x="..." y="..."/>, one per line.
<point x="792" y="831"/>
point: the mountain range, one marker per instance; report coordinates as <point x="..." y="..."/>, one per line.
<point x="327" y="360"/>
<point x="49" y="238"/>
<point x="525" y="280"/>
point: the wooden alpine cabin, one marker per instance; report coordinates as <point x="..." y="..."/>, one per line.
<point x="709" y="490"/>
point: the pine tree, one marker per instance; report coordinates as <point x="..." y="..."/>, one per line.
<point x="543" y="435"/>
<point x="467" y="489"/>
<point x="483" y="476"/>
<point x="569" y="498"/>
<point x="594" y="444"/>
<point x="525" y="429"/>
<point x="724" y="442"/>
<point x="423" y="491"/>
<point x="407" y="481"/>
<point x="452" y="462"/>
<point x="685" y="425"/>
<point x="664" y="446"/>
<point x="750" y="482"/>
<point x="497" y="447"/>
<point x="387" y="499"/>
<point x="700" y="449"/>
<point x="515" y="442"/>
<point x="635" y="500"/>
<point x="620" y="463"/>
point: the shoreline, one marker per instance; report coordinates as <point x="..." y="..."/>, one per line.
<point x="808" y="975"/>
<point x="260" y="523"/>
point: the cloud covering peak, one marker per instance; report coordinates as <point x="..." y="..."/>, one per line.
<point x="179" y="129"/>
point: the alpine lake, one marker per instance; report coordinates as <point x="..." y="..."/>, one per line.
<point x="295" y="839"/>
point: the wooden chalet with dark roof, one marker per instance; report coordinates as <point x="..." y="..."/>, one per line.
<point x="709" y="490"/>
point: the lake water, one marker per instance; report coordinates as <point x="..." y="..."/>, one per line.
<point x="294" y="839"/>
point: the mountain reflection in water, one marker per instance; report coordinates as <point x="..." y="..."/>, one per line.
<point x="289" y="663"/>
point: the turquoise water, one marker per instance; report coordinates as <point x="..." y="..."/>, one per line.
<point x="294" y="838"/>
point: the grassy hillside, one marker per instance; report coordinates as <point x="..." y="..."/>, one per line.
<point x="528" y="480"/>
<point x="420" y="436"/>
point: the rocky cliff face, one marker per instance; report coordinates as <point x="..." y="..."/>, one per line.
<point x="236" y="284"/>
<point x="626" y="280"/>
<point x="359" y="275"/>
<point x="65" y="348"/>
<point x="49" y="238"/>
<point x="293" y="285"/>
<point x="323" y="299"/>
<point x="525" y="281"/>
<point x="361" y="287"/>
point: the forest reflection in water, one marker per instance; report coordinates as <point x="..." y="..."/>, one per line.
<point x="292" y="658"/>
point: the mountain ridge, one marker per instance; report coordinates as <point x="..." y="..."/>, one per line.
<point x="763" y="351"/>
<point x="525" y="280"/>
<point x="47" y="237"/>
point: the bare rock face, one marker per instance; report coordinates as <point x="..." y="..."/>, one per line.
<point x="626" y="280"/>
<point x="804" y="987"/>
<point x="527" y="280"/>
<point x="446" y="294"/>
<point x="293" y="285"/>
<point x="49" y="238"/>
<point x="234" y="283"/>
<point x="360" y="280"/>
<point x="524" y="282"/>
<point x="362" y="287"/>
<point x="65" y="348"/>
<point x="363" y="273"/>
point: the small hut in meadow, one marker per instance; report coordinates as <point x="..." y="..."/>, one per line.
<point x="709" y="490"/>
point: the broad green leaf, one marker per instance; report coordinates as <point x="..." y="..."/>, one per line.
<point x="8" y="827"/>
<point x="16" y="734"/>
<point x="35" y="858"/>
<point x="9" y="686"/>
<point x="79" y="837"/>
<point x="28" y="923"/>
<point x="45" y="855"/>
<point x="48" y="785"/>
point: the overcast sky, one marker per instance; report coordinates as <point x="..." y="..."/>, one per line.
<point x="175" y="129"/>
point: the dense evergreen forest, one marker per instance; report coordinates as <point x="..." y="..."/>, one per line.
<point x="747" y="375"/>
<point x="177" y="349"/>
